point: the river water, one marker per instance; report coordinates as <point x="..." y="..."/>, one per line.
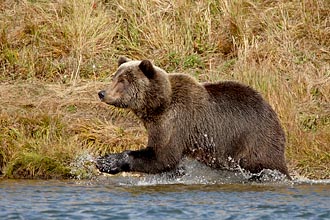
<point x="198" y="196"/>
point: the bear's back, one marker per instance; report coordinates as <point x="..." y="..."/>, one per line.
<point x="186" y="90"/>
<point x="240" y="105"/>
<point x="233" y="93"/>
<point x="226" y="118"/>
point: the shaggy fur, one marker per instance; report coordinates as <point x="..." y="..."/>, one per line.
<point x="225" y="125"/>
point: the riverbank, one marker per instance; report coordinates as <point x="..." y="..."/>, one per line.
<point x="54" y="131"/>
<point x="46" y="128"/>
<point x="55" y="56"/>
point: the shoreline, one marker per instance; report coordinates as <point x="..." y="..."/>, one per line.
<point x="83" y="123"/>
<point x="56" y="55"/>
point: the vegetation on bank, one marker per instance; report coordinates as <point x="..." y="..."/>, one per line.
<point x="56" y="55"/>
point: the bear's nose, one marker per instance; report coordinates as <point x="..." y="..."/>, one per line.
<point x="101" y="94"/>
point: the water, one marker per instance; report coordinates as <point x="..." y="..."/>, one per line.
<point x="198" y="194"/>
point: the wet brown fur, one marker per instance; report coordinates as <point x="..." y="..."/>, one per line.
<point x="225" y="125"/>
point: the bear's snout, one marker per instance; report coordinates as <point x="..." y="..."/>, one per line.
<point x="101" y="94"/>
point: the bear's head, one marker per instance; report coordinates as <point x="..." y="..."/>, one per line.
<point x="138" y="85"/>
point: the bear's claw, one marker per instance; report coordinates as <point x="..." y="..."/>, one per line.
<point x="113" y="163"/>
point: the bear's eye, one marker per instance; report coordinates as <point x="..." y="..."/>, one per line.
<point x="122" y="77"/>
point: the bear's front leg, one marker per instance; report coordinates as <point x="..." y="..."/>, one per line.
<point x="144" y="160"/>
<point x="114" y="163"/>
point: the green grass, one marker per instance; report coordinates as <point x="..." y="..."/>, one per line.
<point x="55" y="54"/>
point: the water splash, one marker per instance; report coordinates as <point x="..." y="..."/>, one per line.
<point x="83" y="167"/>
<point x="192" y="172"/>
<point x="303" y="180"/>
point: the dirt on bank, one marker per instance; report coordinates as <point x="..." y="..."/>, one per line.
<point x="45" y="127"/>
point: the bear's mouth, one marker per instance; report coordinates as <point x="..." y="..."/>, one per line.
<point x="117" y="103"/>
<point x="114" y="102"/>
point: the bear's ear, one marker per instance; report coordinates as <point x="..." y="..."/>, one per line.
<point x="147" y="68"/>
<point x="122" y="60"/>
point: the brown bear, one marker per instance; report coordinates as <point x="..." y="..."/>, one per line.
<point x="225" y="125"/>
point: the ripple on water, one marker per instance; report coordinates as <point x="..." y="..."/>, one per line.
<point x="197" y="193"/>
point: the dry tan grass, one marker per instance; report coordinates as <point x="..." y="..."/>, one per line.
<point x="45" y="127"/>
<point x="281" y="48"/>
